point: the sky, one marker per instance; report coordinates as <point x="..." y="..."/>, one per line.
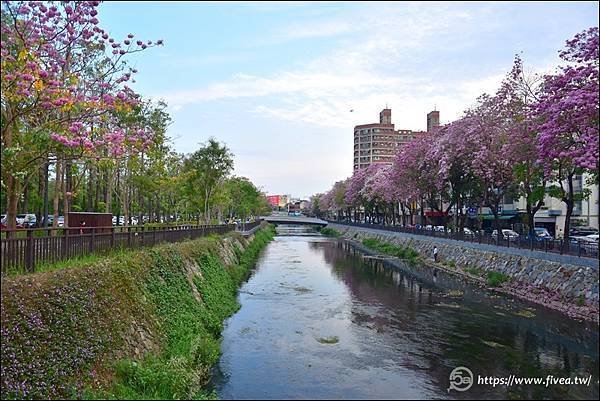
<point x="277" y="82"/>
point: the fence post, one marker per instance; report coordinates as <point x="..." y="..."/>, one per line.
<point x="92" y="238"/>
<point x="128" y="236"/>
<point x="65" y="243"/>
<point x="153" y="235"/>
<point x="29" y="252"/>
<point x="561" y="246"/>
<point x="112" y="237"/>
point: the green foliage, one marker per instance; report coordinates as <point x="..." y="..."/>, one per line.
<point x="474" y="271"/>
<point x="192" y="325"/>
<point x="50" y="342"/>
<point x="61" y="329"/>
<point x="329" y="232"/>
<point x="494" y="279"/>
<point x="205" y="170"/>
<point x="390" y="249"/>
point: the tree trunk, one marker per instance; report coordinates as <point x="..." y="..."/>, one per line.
<point x="66" y="192"/>
<point x="40" y="195"/>
<point x="57" y="192"/>
<point x="46" y="187"/>
<point x="108" y="193"/>
<point x="12" y="192"/>
<point x="570" y="202"/>
<point x="12" y="185"/>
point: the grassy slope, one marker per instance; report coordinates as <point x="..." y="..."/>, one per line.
<point x="61" y="330"/>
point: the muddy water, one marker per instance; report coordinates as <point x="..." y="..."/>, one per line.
<point x="318" y="320"/>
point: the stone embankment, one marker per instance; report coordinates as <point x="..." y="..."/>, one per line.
<point x="138" y="324"/>
<point x="571" y="289"/>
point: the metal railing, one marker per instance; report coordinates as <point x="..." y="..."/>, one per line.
<point x="25" y="248"/>
<point x="587" y="249"/>
<point x="248" y="226"/>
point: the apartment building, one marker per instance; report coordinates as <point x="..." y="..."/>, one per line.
<point x="552" y="215"/>
<point x="379" y="142"/>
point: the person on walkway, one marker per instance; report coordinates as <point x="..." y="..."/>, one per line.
<point x="435" y="254"/>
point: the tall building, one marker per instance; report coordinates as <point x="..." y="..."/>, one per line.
<point x="433" y="120"/>
<point x="379" y="142"/>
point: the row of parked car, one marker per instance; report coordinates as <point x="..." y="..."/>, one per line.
<point x="29" y="220"/>
<point x="582" y="239"/>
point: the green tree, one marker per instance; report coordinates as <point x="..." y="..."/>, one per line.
<point x="206" y="169"/>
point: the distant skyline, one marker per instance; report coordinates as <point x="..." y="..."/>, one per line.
<point x="276" y="81"/>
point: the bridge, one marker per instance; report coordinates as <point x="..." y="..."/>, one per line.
<point x="294" y="220"/>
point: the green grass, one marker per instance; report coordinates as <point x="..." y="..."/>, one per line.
<point x="401" y="252"/>
<point x="495" y="279"/>
<point x="452" y="264"/>
<point x="329" y="232"/>
<point x="67" y="333"/>
<point x="192" y="326"/>
<point x="474" y="271"/>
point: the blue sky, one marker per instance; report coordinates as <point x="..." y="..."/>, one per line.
<point x="277" y="81"/>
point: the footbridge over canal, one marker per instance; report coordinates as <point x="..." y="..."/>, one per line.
<point x="295" y="220"/>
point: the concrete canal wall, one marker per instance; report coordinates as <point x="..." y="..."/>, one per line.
<point x="575" y="283"/>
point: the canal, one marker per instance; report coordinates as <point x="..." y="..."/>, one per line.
<point x="319" y="320"/>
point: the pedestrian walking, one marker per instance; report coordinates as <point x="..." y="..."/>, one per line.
<point x="435" y="254"/>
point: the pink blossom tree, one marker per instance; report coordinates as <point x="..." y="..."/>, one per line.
<point x="567" y="116"/>
<point x="456" y="182"/>
<point x="520" y="91"/>
<point x="61" y="74"/>
<point x="352" y="196"/>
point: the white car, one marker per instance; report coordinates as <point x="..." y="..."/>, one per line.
<point x="506" y="234"/>
<point x="467" y="231"/>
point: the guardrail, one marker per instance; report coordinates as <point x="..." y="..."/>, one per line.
<point x="576" y="248"/>
<point x="26" y="248"/>
<point x="248" y="226"/>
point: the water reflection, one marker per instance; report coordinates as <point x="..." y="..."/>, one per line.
<point x="319" y="321"/>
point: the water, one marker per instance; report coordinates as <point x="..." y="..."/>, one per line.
<point x="320" y="321"/>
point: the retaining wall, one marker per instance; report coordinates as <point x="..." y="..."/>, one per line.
<point x="569" y="280"/>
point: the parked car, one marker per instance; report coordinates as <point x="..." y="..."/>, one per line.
<point x="438" y="229"/>
<point x="506" y="234"/>
<point x="582" y="231"/>
<point x="60" y="221"/>
<point x="21" y="220"/>
<point x="540" y="234"/>
<point x="3" y="221"/>
<point x="584" y="244"/>
<point x="30" y="220"/>
<point x="467" y="232"/>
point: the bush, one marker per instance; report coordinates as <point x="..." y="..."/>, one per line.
<point x="401" y="252"/>
<point x="494" y="279"/>
<point x="330" y="232"/>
